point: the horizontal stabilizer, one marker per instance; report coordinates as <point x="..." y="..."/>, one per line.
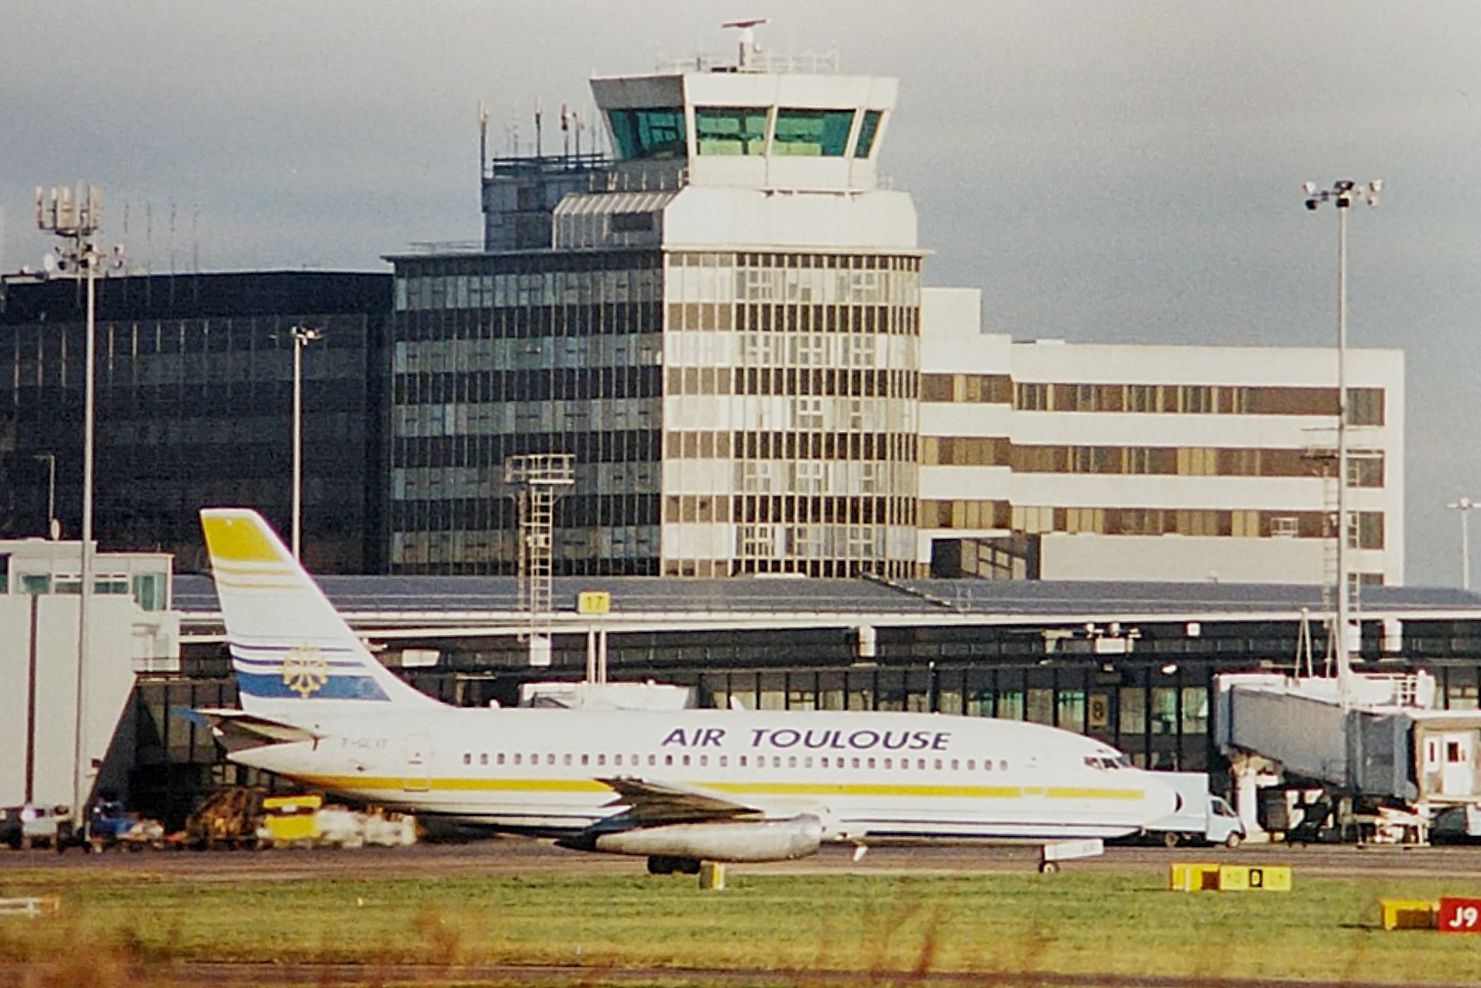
<point x="238" y="730"/>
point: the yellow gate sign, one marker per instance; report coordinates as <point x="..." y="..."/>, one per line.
<point x="593" y="602"/>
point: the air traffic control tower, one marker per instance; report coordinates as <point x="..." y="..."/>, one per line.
<point x="720" y="321"/>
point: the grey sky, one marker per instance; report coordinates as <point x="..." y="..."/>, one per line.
<point x="1103" y="171"/>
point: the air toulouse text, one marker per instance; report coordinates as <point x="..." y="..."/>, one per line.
<point x="833" y="740"/>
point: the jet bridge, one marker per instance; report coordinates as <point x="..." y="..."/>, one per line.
<point x="1378" y="743"/>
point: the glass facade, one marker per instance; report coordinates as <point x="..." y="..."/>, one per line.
<point x="194" y="399"/>
<point x="728" y="412"/>
<point x="503" y="354"/>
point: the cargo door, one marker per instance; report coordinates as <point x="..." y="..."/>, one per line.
<point x="417" y="775"/>
<point x="1457" y="774"/>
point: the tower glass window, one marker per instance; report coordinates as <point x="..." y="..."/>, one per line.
<point x="730" y="130"/>
<point x="650" y="133"/>
<point x="868" y="128"/>
<point x="812" y="132"/>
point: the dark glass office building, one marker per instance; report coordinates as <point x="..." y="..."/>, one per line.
<point x="194" y="407"/>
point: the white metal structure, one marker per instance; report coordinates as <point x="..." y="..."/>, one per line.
<point x="676" y="786"/>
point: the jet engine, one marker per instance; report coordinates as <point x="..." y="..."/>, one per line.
<point x="725" y="840"/>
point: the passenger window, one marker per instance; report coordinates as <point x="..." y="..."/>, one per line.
<point x="550" y="758"/>
<point x="616" y="759"/>
<point x="776" y="761"/>
<point x="889" y="763"/>
<point x="920" y="763"/>
<point x="870" y="763"/>
<point x="742" y="761"/>
<point x="686" y="761"/>
<point x="483" y="758"/>
<point x="601" y="759"/>
<point x="825" y="761"/>
<point x="971" y="764"/>
<point x="568" y="758"/>
<point x="585" y="759"/>
<point x="467" y="758"/>
<point x="668" y="759"/>
<point x="807" y="762"/>
<point x="704" y="760"/>
<point x="499" y="758"/>
<point x="792" y="761"/>
<point x="724" y="761"/>
<point x="856" y="763"/>
<point x="516" y="758"/>
<point x="1002" y="765"/>
<point x="986" y="765"/>
<point x="955" y="766"/>
<point x="938" y="764"/>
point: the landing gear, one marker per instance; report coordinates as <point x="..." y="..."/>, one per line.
<point x="1048" y="867"/>
<point x="662" y="864"/>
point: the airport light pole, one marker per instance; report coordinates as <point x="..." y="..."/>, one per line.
<point x="1464" y="505"/>
<point x="302" y="337"/>
<point x="52" y="529"/>
<point x="1342" y="194"/>
<point x="76" y="219"/>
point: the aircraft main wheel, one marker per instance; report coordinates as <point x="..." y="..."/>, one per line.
<point x="660" y="866"/>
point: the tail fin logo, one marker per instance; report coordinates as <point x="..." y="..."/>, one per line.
<point x="305" y="671"/>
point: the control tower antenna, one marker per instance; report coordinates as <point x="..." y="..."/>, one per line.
<point x="748" y="46"/>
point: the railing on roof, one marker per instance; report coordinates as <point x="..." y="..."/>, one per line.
<point x="445" y="247"/>
<point x="810" y="62"/>
<point x="547" y="164"/>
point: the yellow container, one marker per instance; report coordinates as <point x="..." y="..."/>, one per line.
<point x="1409" y="914"/>
<point x="292" y="818"/>
<point x="1188" y="877"/>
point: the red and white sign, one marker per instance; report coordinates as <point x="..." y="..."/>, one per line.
<point x="1459" y="916"/>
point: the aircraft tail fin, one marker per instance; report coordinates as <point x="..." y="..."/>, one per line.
<point x="293" y="655"/>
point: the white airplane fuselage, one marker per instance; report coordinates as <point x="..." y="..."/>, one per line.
<point x="880" y="777"/>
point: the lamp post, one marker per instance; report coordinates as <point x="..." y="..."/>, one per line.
<point x="302" y="337"/>
<point x="1342" y="194"/>
<point x="53" y="530"/>
<point x="76" y="220"/>
<point x="1464" y="506"/>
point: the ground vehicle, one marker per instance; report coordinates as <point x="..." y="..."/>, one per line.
<point x="1201" y="817"/>
<point x="30" y="826"/>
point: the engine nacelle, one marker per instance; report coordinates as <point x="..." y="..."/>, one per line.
<point x="739" y="840"/>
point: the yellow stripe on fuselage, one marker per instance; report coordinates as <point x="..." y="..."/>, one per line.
<point x="346" y="782"/>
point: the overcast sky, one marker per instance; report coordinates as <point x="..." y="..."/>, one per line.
<point x="1103" y="171"/>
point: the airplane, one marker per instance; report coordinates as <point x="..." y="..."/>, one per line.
<point x="678" y="787"/>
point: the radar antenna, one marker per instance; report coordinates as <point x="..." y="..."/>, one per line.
<point x="748" y="46"/>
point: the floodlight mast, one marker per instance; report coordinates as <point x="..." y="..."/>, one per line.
<point x="76" y="220"/>
<point x="1465" y="506"/>
<point x="1342" y="194"/>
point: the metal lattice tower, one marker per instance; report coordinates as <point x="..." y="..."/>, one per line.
<point x="538" y="477"/>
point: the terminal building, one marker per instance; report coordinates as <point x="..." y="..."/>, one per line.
<point x="726" y="327"/>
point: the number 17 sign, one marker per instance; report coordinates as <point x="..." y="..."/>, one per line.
<point x="1459" y="916"/>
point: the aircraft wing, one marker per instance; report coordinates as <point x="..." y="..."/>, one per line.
<point x="650" y="803"/>
<point x="238" y="730"/>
